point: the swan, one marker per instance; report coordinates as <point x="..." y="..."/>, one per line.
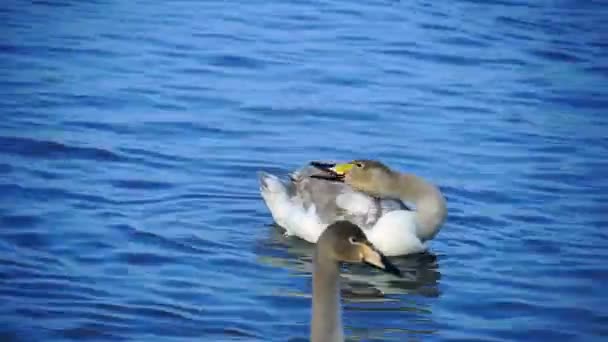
<point x="365" y="192"/>
<point x="342" y="241"/>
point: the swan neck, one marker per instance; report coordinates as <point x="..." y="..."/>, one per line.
<point x="430" y="204"/>
<point x="326" y="316"/>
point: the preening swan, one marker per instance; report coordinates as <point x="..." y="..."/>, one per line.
<point x="364" y="192"/>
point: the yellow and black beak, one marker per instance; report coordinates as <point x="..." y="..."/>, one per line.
<point x="333" y="171"/>
<point x="374" y="258"/>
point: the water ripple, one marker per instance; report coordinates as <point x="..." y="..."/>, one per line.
<point x="132" y="134"/>
<point x="49" y="149"/>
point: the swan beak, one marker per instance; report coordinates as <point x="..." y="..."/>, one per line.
<point x="335" y="172"/>
<point x="374" y="258"/>
<point x="343" y="168"/>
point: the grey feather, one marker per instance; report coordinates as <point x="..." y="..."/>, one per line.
<point x="323" y="194"/>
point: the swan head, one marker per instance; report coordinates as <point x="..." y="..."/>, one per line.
<point x="369" y="176"/>
<point x="343" y="241"/>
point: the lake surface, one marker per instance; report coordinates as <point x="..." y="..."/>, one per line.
<point x="132" y="132"/>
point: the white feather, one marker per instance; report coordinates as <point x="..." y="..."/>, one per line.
<point x="305" y="206"/>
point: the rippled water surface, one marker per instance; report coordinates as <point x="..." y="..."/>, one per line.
<point x="132" y="131"/>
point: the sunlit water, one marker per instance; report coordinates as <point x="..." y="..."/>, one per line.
<point x="132" y="131"/>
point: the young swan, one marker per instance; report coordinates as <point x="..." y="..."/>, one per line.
<point x="342" y="241"/>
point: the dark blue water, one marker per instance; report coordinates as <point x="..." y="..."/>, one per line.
<point x="131" y="133"/>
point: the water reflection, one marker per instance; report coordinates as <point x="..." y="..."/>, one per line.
<point x="368" y="295"/>
<point x="421" y="271"/>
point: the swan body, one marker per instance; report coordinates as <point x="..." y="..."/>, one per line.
<point x="306" y="203"/>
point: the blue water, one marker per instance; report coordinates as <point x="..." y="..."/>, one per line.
<point x="132" y="131"/>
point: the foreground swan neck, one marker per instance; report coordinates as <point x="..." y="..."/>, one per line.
<point x="326" y="316"/>
<point x="430" y="204"/>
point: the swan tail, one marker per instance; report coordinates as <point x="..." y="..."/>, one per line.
<point x="275" y="195"/>
<point x="287" y="211"/>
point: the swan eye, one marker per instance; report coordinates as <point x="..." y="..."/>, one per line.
<point x="359" y="164"/>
